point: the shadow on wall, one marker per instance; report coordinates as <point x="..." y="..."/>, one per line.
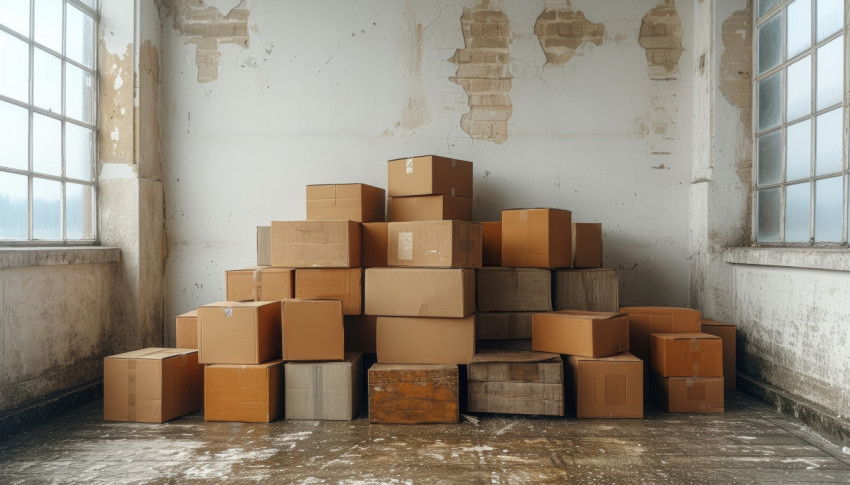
<point x="639" y="284"/>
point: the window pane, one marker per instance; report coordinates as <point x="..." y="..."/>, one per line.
<point x="799" y="26"/>
<point x="14" y="136"/>
<point x="769" y="44"/>
<point x="90" y="3"/>
<point x="770" y="100"/>
<point x="13" y="206"/>
<point x="47" y="81"/>
<point x="769" y="158"/>
<point x="46" y="209"/>
<point x="79" y="149"/>
<point x="797" y="214"/>
<point x="767" y="214"/>
<point x="46" y="145"/>
<point x="766" y="5"/>
<point x="799" y="102"/>
<point x="829" y="202"/>
<point x="798" y="151"/>
<point x="15" y="14"/>
<point x="830" y="76"/>
<point x="828" y="142"/>
<point x="48" y="23"/>
<point x="14" y="81"/>
<point x="830" y="17"/>
<point x="78" y="94"/>
<point x="79" y="211"/>
<point x="79" y="44"/>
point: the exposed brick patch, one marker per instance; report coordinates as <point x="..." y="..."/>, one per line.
<point x="561" y="31"/>
<point x="736" y="81"/>
<point x="661" y="36"/>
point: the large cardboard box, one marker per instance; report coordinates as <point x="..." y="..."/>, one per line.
<point x="586" y="334"/>
<point x="587" y="244"/>
<point x="686" y="354"/>
<point x="514" y="289"/>
<point x="537" y="238"/>
<point x="594" y="290"/>
<point x="316" y="244"/>
<point x="516" y="383"/>
<point x="413" y="394"/>
<point x="608" y="387"/>
<point x="246" y="393"/>
<point x="726" y="331"/>
<point x="186" y="330"/>
<point x="324" y="390"/>
<point x="402" y="340"/>
<point x="492" y="233"/>
<point x="264" y="245"/>
<point x="344" y="284"/>
<point x="644" y="320"/>
<point x="374" y="236"/>
<point x="437" y="244"/>
<point x="429" y="208"/>
<point x="312" y="330"/>
<point x="345" y="202"/>
<point x="420" y="292"/>
<point x="503" y="326"/>
<point x="429" y="175"/>
<point x="688" y="394"/>
<point x="263" y="283"/>
<point x="231" y="332"/>
<point x="151" y="385"/>
<point x="360" y="333"/>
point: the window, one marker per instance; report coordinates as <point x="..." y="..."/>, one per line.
<point x="800" y="114"/>
<point x="47" y="121"/>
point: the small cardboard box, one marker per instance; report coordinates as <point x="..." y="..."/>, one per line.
<point x="360" y="333"/>
<point x="644" y="320"/>
<point x="608" y="387"/>
<point x="593" y="290"/>
<point x="344" y="284"/>
<point x="374" y="235"/>
<point x="686" y="354"/>
<point x="420" y="292"/>
<point x="514" y="289"/>
<point x="587" y="244"/>
<point x="437" y="244"/>
<point x="586" y="334"/>
<point x="316" y="244"/>
<point x="688" y="394"/>
<point x="312" y="330"/>
<point x="324" y="390"/>
<point x="492" y="233"/>
<point x="413" y="394"/>
<point x="503" y="326"/>
<point x="516" y="383"/>
<point x="151" y="385"/>
<point x="402" y="340"/>
<point x="345" y="202"/>
<point x="429" y="208"/>
<point x="186" y="330"/>
<point x="245" y="393"/>
<point x="263" y="283"/>
<point x="429" y="175"/>
<point x="264" y="245"/>
<point x="726" y="331"/>
<point x="231" y="332"/>
<point x="537" y="238"/>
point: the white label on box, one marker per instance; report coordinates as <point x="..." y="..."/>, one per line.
<point x="227" y="311"/>
<point x="408" y="165"/>
<point x="405" y="246"/>
<point x="453" y="191"/>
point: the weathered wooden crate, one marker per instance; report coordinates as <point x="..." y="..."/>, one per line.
<point x="592" y="289"/>
<point x="516" y="383"/>
<point x="413" y="393"/>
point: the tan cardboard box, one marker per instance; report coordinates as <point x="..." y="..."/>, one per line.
<point x="263" y="283"/>
<point x="586" y="334"/>
<point x="414" y="394"/>
<point x="587" y="245"/>
<point x="686" y="354"/>
<point x="516" y="383"/>
<point x="429" y="208"/>
<point x="429" y="175"/>
<point x="644" y="320"/>
<point x="324" y="390"/>
<point x="360" y="331"/>
<point x="726" y="331"/>
<point x="231" y="332"/>
<point x="592" y="289"/>
<point x="503" y="325"/>
<point x="492" y="234"/>
<point x="537" y="238"/>
<point x="344" y="284"/>
<point x="345" y="202"/>
<point x="688" y="394"/>
<point x="514" y="289"/>
<point x="245" y="393"/>
<point x="374" y="235"/>
<point x="312" y="330"/>
<point x="151" y="385"/>
<point x="420" y="292"/>
<point x="402" y="340"/>
<point x="437" y="244"/>
<point x="316" y="244"/>
<point x="608" y="387"/>
<point x="186" y="330"/>
<point x="264" y="245"/>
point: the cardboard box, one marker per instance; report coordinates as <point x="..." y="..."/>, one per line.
<point x="429" y="208"/>
<point x="312" y="330"/>
<point x="360" y="333"/>
<point x="503" y="326"/>
<point x="503" y="344"/>
<point x="688" y="394"/>
<point x="413" y="394"/>
<point x="246" y="393"/>
<point x="492" y="234"/>
<point x="437" y="244"/>
<point x="586" y="334"/>
<point x="345" y="202"/>
<point x="587" y="244"/>
<point x="537" y="238"/>
<point x="344" y="284"/>
<point x="726" y="331"/>
<point x="232" y="332"/>
<point x="263" y="283"/>
<point x="429" y="175"/>
<point x="608" y="387"/>
<point x="644" y="320"/>
<point x="514" y="289"/>
<point x="402" y="340"/>
<point x="324" y="390"/>
<point x="264" y="245"/>
<point x="186" y="330"/>
<point x="420" y="292"/>
<point x="593" y="290"/>
<point x="316" y="244"/>
<point x="151" y="385"/>
<point x="374" y="247"/>
<point x="686" y="354"/>
<point x="516" y="383"/>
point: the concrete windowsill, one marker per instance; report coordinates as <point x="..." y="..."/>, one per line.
<point x="812" y="258"/>
<point x="12" y="257"/>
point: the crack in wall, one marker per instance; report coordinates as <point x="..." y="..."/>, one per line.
<point x="661" y="37"/>
<point x="561" y="31"/>
<point x="735" y="82"/>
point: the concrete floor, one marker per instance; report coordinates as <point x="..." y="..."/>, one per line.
<point x="750" y="443"/>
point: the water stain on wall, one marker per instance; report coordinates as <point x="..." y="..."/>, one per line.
<point x="148" y="113"/>
<point x="415" y="112"/>
<point x="561" y="31"/>
<point x="736" y="82"/>
<point x="661" y="37"/>
<point x="116" y="114"/>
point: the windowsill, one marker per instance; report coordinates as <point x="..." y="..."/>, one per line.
<point x="12" y="257"/>
<point x="811" y="258"/>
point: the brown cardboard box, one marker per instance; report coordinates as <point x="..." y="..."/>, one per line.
<point x="246" y="393"/>
<point x="503" y="344"/>
<point x="413" y="394"/>
<point x="316" y="244"/>
<point x="374" y="245"/>
<point x="186" y="330"/>
<point x="437" y="244"/>
<point x="610" y="387"/>
<point x="151" y="385"/>
<point x="420" y="292"/>
<point x="324" y="390"/>
<point x="263" y="283"/>
<point x="537" y="238"/>
<point x="232" y="332"/>
<point x="586" y="334"/>
<point x="644" y="320"/>
<point x="514" y="289"/>
<point x="429" y="208"/>
<point x="360" y="333"/>
<point x="686" y="354"/>
<point x="594" y="290"/>
<point x="345" y="202"/>
<point x="429" y="175"/>
<point x="312" y="330"/>
<point x="492" y="232"/>
<point x="726" y="331"/>
<point x="587" y="244"/>
<point x="503" y="326"/>
<point x="264" y="245"/>
<point x="516" y="383"/>
<point x="402" y="340"/>
<point x="344" y="284"/>
<point x="688" y="394"/>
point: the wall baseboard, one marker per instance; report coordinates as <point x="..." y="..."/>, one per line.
<point x="37" y="412"/>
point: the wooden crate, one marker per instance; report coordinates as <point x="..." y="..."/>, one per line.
<point x="516" y="383"/>
<point x="593" y="289"/>
<point x="413" y="393"/>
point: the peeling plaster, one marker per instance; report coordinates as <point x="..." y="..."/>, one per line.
<point x="148" y="112"/>
<point x="661" y="36"/>
<point x="115" y="127"/>
<point x="416" y="110"/>
<point x="736" y="82"/>
<point x="562" y="31"/>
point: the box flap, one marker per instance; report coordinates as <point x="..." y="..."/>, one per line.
<point x="153" y="353"/>
<point x="588" y="315"/>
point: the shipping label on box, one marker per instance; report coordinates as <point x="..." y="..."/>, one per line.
<point x="503" y="326"/>
<point x="344" y="284"/>
<point x="264" y="245"/>
<point x="644" y="320"/>
<point x="429" y="208"/>
<point x="244" y="393"/>
<point x="587" y="244"/>
<point x="688" y="394"/>
<point x="607" y="387"/>
<point x="586" y="334"/>
<point x="537" y="238"/>
<point x="312" y="330"/>
<point x="514" y="289"/>
<point x="374" y="237"/>
<point x="324" y="390"/>
<point x="726" y="331"/>
<point x="420" y="292"/>
<point x="438" y="244"/>
<point x="594" y="290"/>
<point x="232" y="332"/>
<point x="516" y="383"/>
<point x="260" y="284"/>
<point x="342" y="202"/>
<point x="186" y="330"/>
<point x="403" y="340"/>
<point x="429" y="175"/>
<point x="686" y="354"/>
<point x="316" y="244"/>
<point x="413" y="394"/>
<point x="492" y="235"/>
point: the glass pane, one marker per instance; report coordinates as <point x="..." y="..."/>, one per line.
<point x="797" y="214"/>
<point x="79" y="149"/>
<point x="13" y="206"/>
<point x="15" y="59"/>
<point x="78" y="94"/>
<point x="767" y="202"/>
<point x="48" y="23"/>
<point x="79" y="211"/>
<point x="828" y="142"/>
<point x="14" y="136"/>
<point x="769" y="158"/>
<point x="799" y="101"/>
<point x="79" y="44"/>
<point x="798" y="151"/>
<point x="90" y="3"/>
<point x="829" y="202"/>
<point x="830" y="17"/>
<point x="799" y="17"/>
<point x="766" y="5"/>
<point x="46" y="209"/>
<point x="46" y="145"/>
<point x="47" y="81"/>
<point x="830" y="76"/>
<point x="769" y="44"/>
<point x="769" y="93"/>
<point x="15" y="14"/>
